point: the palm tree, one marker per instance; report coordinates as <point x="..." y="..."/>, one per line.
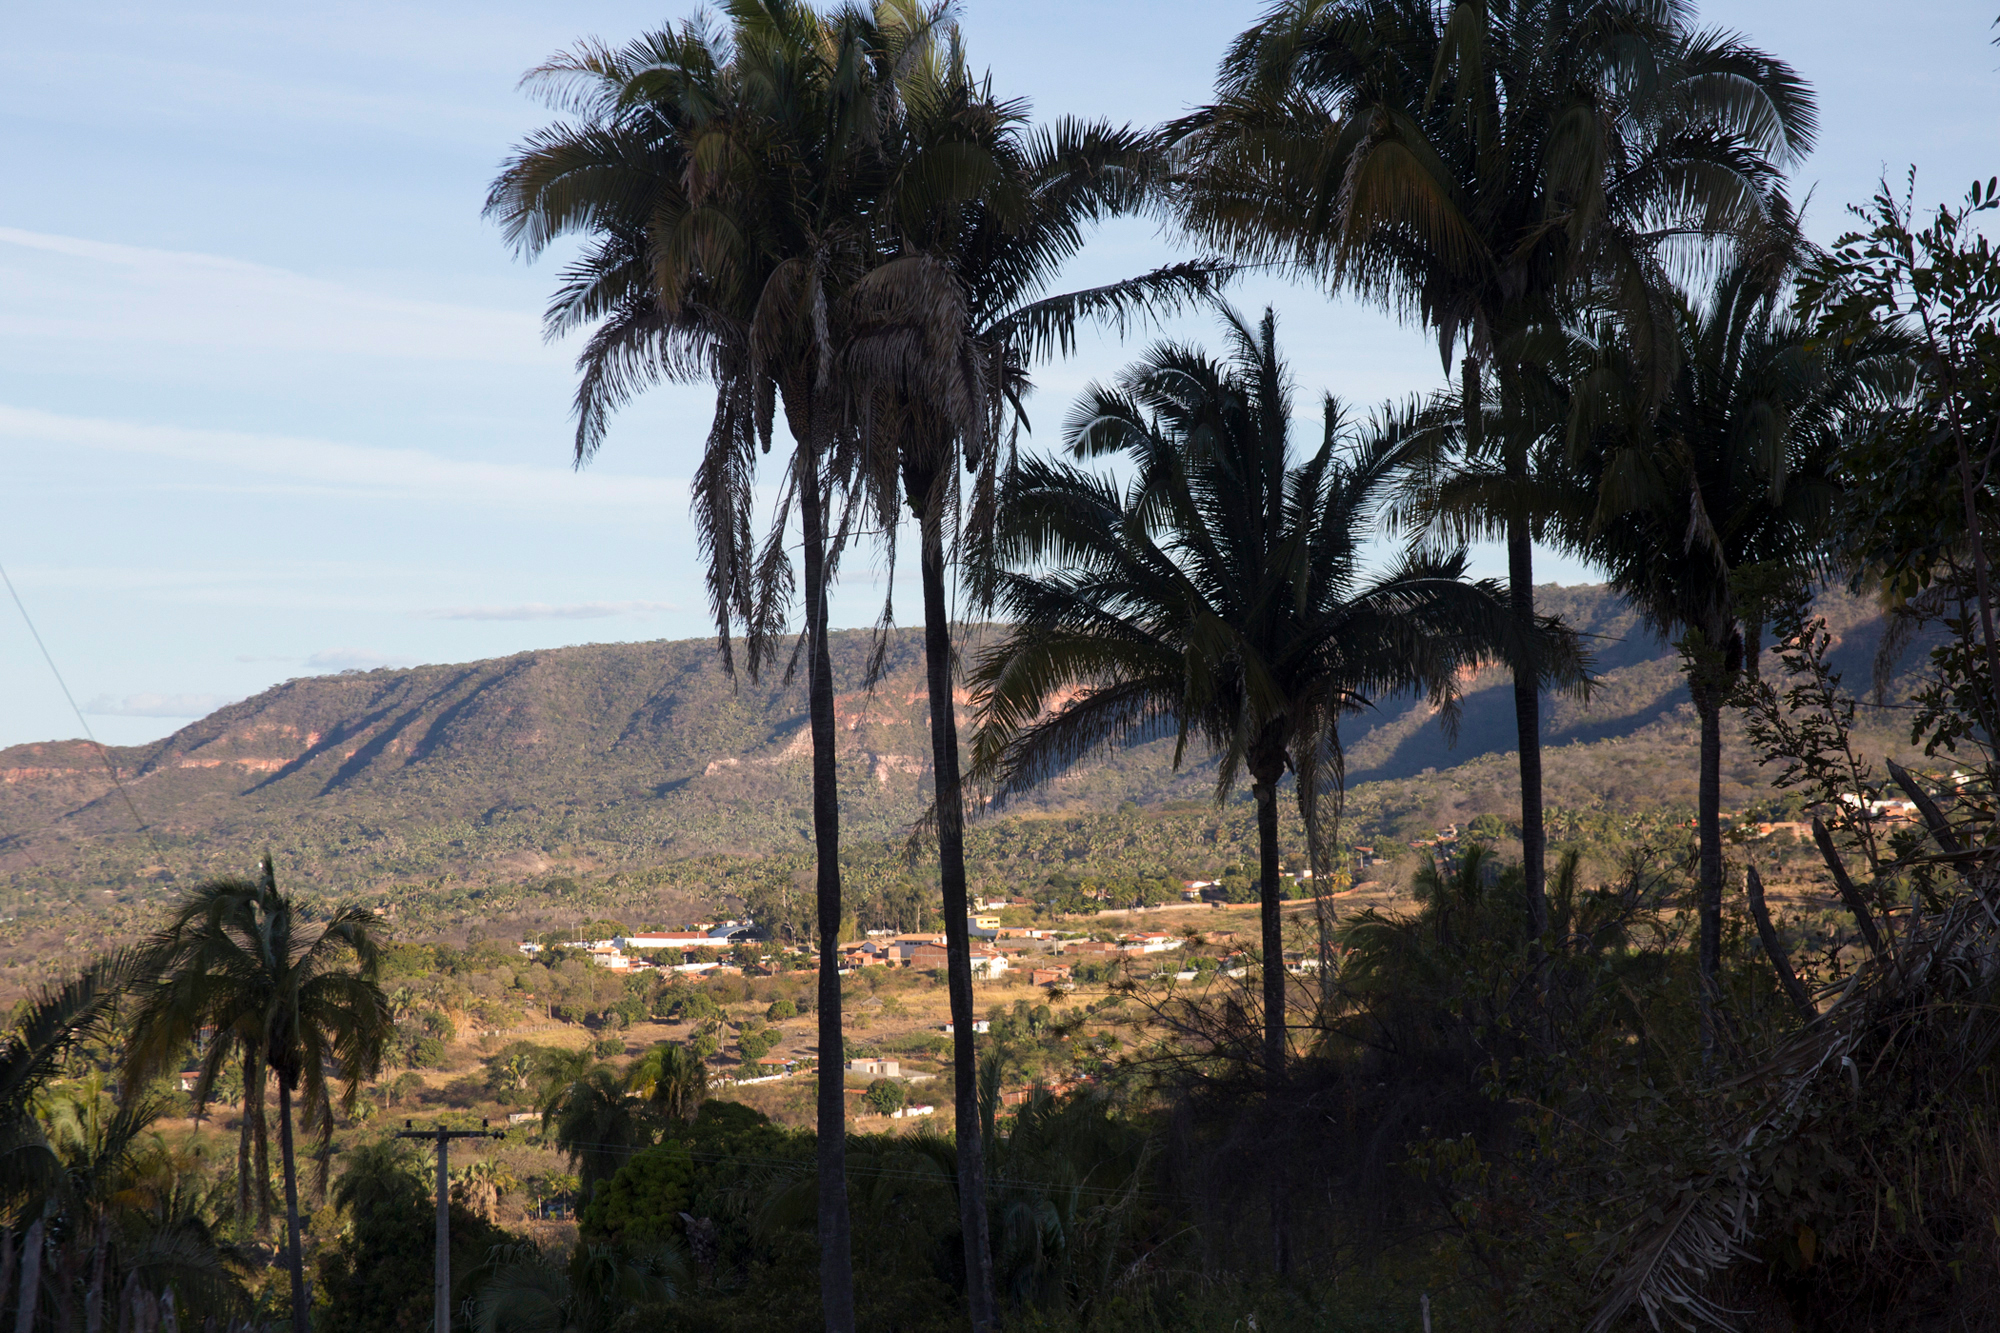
<point x="243" y="959"/>
<point x="978" y="215"/>
<point x="1718" y="498"/>
<point x="1221" y="597"/>
<point x="46" y="1029"/>
<point x="128" y="1208"/>
<point x="672" y="1079"/>
<point x="1485" y="167"/>
<point x="599" y="1124"/>
<point x="384" y="1174"/>
<point x="731" y="263"/>
<point x="33" y="1172"/>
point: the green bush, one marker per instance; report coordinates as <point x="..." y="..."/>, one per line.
<point x="781" y="1010"/>
<point x="919" y="1043"/>
<point x="643" y="1203"/>
<point x="885" y="1096"/>
<point x="694" y="1172"/>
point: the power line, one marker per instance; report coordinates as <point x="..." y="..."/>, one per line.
<point x="102" y="753"/>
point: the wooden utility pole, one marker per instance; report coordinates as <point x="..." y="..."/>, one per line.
<point x="441" y="1294"/>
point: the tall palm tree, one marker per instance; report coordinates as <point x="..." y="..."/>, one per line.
<point x="1485" y="166"/>
<point x="977" y="216"/>
<point x="1730" y="478"/>
<point x="244" y="960"/>
<point x="725" y="180"/>
<point x="1221" y="598"/>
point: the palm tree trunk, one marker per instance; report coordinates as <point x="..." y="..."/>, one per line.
<point x="65" y="1275"/>
<point x="93" y="1296"/>
<point x="1708" y="831"/>
<point x="1528" y="720"/>
<point x="1527" y="678"/>
<point x="7" y="1259"/>
<point x="836" y="1241"/>
<point x="301" y="1322"/>
<point x="31" y="1279"/>
<point x="957" y="937"/>
<point x="1266" y="792"/>
<point x="260" y="1130"/>
<point x="243" y="1154"/>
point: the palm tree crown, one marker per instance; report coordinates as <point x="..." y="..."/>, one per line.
<point x="1731" y="477"/>
<point x="1222" y="596"/>
<point x="242" y="960"/>
<point x="1487" y="167"/>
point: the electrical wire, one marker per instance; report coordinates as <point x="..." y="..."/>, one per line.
<point x="102" y="753"/>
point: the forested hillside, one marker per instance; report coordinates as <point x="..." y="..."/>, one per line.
<point x="618" y="757"/>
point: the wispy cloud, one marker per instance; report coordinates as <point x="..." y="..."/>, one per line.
<point x="70" y="288"/>
<point x="362" y="470"/>
<point x="355" y="659"/>
<point x="156" y="705"/>
<point x="544" y="611"/>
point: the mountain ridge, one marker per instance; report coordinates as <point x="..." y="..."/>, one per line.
<point x="611" y="756"/>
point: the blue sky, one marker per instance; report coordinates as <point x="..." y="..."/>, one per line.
<point x="273" y="398"/>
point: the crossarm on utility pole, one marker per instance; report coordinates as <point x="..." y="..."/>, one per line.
<point x="441" y="1282"/>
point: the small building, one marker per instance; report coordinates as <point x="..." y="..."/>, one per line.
<point x="1088" y="946"/>
<point x="979" y="1025"/>
<point x="874" y="1068"/>
<point x="1049" y="976"/>
<point x="672" y="939"/>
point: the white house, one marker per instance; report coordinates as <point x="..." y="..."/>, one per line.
<point x="672" y="939"/>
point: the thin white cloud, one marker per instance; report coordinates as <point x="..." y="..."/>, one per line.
<point x="156" y="705"/>
<point x="326" y="466"/>
<point x="67" y="288"/>
<point x="355" y="659"/>
<point x="544" y="611"/>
